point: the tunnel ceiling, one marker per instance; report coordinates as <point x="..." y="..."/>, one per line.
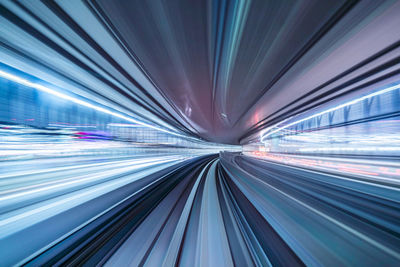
<point x="220" y="70"/>
<point x="214" y="59"/>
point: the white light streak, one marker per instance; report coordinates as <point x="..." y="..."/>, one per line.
<point x="349" y="149"/>
<point x="81" y="102"/>
<point x="389" y="89"/>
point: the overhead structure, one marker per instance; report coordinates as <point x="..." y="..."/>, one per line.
<point x="217" y="70"/>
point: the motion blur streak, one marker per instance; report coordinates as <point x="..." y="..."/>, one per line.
<point x="199" y="133"/>
<point x="19" y="80"/>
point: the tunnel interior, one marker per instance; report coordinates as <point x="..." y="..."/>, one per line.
<point x="199" y="133"/>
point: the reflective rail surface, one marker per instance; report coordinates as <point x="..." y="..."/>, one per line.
<point x="207" y="211"/>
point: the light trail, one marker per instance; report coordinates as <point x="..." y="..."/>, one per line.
<point x="355" y="101"/>
<point x="81" y="102"/>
